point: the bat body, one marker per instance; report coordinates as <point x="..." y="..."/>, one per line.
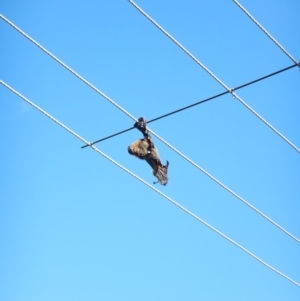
<point x="144" y="149"/>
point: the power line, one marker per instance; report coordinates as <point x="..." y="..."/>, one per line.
<point x="265" y="31"/>
<point x="65" y="66"/>
<point x="153" y="133"/>
<point x="212" y="75"/>
<point x="194" y="104"/>
<point x="153" y="188"/>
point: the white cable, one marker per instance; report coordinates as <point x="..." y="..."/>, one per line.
<point x="65" y="66"/>
<point x="154" y="134"/>
<point x="226" y="188"/>
<point x="153" y="188"/>
<point x="265" y="31"/>
<point x="211" y="74"/>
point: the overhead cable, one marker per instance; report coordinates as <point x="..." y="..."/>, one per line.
<point x="153" y="188"/>
<point x="64" y="65"/>
<point x="212" y="75"/>
<point x="154" y="134"/>
<point x="194" y="104"/>
<point x="266" y="32"/>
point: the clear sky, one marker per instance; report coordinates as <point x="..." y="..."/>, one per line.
<point x="75" y="227"/>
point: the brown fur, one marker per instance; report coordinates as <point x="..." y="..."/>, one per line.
<point x="145" y="150"/>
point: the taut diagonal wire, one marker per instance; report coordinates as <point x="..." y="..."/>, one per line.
<point x="64" y="65"/>
<point x="265" y="31"/>
<point x="132" y="117"/>
<point x="212" y="75"/>
<point x="193" y="105"/>
<point x="153" y="188"/>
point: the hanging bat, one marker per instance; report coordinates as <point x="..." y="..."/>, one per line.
<point x="144" y="149"/>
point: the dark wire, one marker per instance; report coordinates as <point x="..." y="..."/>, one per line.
<point x="195" y="104"/>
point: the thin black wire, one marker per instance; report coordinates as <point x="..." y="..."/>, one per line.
<point x="195" y="104"/>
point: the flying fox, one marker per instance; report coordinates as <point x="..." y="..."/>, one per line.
<point x="144" y="149"/>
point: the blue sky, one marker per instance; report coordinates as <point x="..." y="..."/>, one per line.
<point x="75" y="227"/>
